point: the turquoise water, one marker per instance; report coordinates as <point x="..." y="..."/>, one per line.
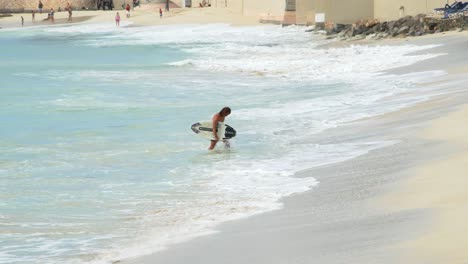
<point x="97" y="159"/>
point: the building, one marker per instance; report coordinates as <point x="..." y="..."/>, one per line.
<point x="337" y="11"/>
<point x="394" y="9"/>
<point x="302" y="12"/>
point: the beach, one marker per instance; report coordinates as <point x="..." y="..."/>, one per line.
<point x="377" y="176"/>
<point x="149" y="15"/>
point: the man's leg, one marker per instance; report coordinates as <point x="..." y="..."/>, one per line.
<point x="212" y="144"/>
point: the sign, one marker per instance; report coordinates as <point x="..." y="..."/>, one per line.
<point x="320" y="18"/>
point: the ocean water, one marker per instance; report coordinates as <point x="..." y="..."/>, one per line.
<point x="97" y="159"/>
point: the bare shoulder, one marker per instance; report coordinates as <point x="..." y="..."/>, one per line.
<point x="216" y="117"/>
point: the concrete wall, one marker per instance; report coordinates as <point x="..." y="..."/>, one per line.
<point x="263" y="8"/>
<point x="235" y="5"/>
<point x="342" y="11"/>
<point x="338" y="11"/>
<point x="391" y="9"/>
<point x="31" y="4"/>
<point x="305" y="12"/>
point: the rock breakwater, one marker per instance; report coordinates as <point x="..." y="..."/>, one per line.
<point x="407" y="26"/>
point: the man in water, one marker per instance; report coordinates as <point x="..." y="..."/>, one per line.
<point x="218" y="121"/>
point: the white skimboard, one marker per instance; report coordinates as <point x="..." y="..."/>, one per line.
<point x="205" y="129"/>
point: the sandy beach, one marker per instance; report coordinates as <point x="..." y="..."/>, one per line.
<point x="405" y="203"/>
<point x="149" y="15"/>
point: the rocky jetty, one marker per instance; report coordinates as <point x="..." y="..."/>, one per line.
<point x="373" y="29"/>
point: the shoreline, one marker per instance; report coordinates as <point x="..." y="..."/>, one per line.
<point x="344" y="220"/>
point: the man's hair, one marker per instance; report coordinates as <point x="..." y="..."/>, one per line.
<point x="225" y="109"/>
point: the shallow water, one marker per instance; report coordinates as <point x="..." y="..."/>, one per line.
<point x="97" y="159"/>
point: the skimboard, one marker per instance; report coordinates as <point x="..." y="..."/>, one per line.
<point x="205" y="129"/>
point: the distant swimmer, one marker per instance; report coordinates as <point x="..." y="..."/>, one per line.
<point x="218" y="121"/>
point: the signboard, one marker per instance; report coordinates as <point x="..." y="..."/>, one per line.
<point x="320" y="18"/>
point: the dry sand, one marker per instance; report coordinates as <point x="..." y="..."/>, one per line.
<point x="440" y="185"/>
<point x="139" y="17"/>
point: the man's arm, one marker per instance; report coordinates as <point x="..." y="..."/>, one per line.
<point x="215" y="126"/>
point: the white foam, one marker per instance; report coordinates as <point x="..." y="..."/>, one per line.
<point x="274" y="51"/>
<point x="181" y="63"/>
<point x="89" y="28"/>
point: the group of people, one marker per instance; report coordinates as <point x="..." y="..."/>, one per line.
<point x="204" y="3"/>
<point x="127" y="13"/>
<point x="50" y="15"/>
<point x="40" y="6"/>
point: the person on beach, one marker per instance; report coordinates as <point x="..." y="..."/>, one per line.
<point x="69" y="9"/>
<point x="22" y="21"/>
<point x="51" y="15"/>
<point x="218" y="120"/>
<point x="160" y="13"/>
<point x="33" y="14"/>
<point x="117" y="19"/>
<point x="39" y="7"/>
<point x="127" y="10"/>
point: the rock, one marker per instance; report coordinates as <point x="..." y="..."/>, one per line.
<point x="390" y="26"/>
<point x="371" y="36"/>
<point x="369" y="32"/>
<point x="376" y="28"/>
<point x="383" y="26"/>
<point x="343" y="33"/>
<point x="359" y="37"/>
<point x="403" y="29"/>
<point x="340" y="27"/>
<point x="350" y="33"/>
